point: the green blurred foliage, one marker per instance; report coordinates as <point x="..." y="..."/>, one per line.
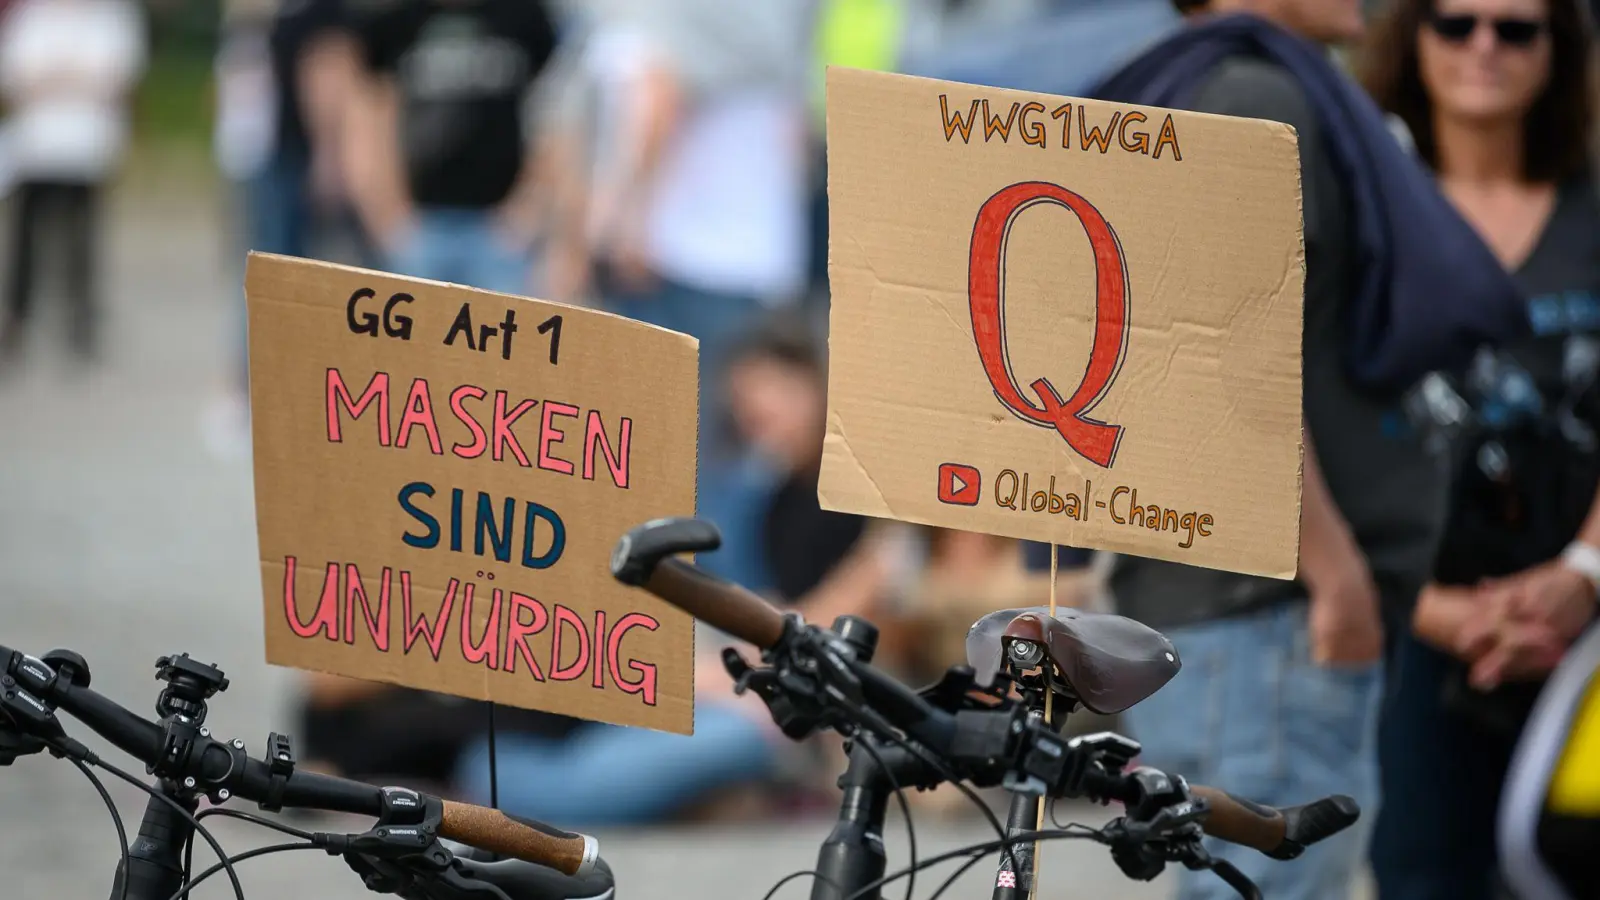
<point x="174" y="104"/>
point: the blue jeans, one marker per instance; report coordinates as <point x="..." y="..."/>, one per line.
<point x="1434" y="839"/>
<point x="733" y="485"/>
<point x="277" y="217"/>
<point x="462" y="246"/>
<point x="1250" y="713"/>
<point x="607" y="775"/>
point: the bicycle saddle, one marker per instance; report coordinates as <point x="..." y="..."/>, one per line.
<point x="1108" y="662"/>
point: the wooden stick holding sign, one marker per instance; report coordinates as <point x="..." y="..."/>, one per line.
<point x="1049" y="710"/>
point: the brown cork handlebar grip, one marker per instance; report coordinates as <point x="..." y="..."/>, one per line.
<point x="720" y="604"/>
<point x="1240" y="821"/>
<point x="524" y="839"/>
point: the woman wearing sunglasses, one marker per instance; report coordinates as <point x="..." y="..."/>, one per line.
<point x="1499" y="98"/>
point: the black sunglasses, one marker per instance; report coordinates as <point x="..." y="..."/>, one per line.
<point x="1511" y="32"/>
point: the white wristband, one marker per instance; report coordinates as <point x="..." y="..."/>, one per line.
<point x="1585" y="560"/>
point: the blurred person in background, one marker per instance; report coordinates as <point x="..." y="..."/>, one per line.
<point x="1279" y="697"/>
<point x="1060" y="47"/>
<point x="859" y="34"/>
<point x="285" y="72"/>
<point x="585" y="140"/>
<point x="1499" y="97"/>
<point x="68" y="69"/>
<point x="436" y="142"/>
<point x="825" y="565"/>
<point x="387" y="734"/>
<point x="701" y="225"/>
<point x="441" y="148"/>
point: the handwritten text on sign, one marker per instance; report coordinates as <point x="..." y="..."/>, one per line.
<point x="438" y="496"/>
<point x="1064" y="320"/>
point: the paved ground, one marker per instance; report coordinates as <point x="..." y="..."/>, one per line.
<point x="123" y="537"/>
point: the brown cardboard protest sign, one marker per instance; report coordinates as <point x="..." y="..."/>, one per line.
<point x="441" y="474"/>
<point x="1064" y="320"/>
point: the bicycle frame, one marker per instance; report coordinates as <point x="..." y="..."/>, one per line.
<point x="853" y="856"/>
<point x="155" y="858"/>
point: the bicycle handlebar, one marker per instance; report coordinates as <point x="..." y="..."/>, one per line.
<point x="217" y="766"/>
<point x="720" y="604"/>
<point x="524" y="839"/>
<point x="643" y="559"/>
<point x="1240" y="821"/>
<point x="1279" y="833"/>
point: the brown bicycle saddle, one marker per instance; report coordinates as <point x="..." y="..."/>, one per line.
<point x="1109" y="662"/>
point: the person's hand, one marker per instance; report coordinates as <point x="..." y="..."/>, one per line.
<point x="516" y="227"/>
<point x="327" y="181"/>
<point x="1345" y="622"/>
<point x="1481" y="630"/>
<point x="1450" y="618"/>
<point x="1519" y="650"/>
<point x="1554" y="596"/>
<point x="622" y="243"/>
<point x="630" y="264"/>
<point x="393" y="236"/>
<point x="1525" y="624"/>
<point x="568" y="272"/>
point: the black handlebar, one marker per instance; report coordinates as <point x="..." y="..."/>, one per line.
<point x="181" y="750"/>
<point x="988" y="746"/>
<point x="643" y="558"/>
<point x="213" y="764"/>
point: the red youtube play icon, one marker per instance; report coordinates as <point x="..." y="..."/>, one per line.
<point x="959" y="485"/>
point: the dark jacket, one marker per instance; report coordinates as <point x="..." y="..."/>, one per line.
<point x="1429" y="292"/>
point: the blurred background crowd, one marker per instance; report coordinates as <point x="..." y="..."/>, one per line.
<point x="664" y="160"/>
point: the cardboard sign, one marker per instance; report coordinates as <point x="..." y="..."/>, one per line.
<point x="441" y="474"/>
<point x="1064" y="320"/>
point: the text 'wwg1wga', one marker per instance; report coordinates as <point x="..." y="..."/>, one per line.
<point x="1069" y="126"/>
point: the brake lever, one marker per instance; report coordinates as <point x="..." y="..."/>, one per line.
<point x="1142" y="848"/>
<point x="384" y="876"/>
<point x="812" y="687"/>
<point x="14" y="744"/>
<point x="790" y="700"/>
<point x="410" y="863"/>
<point x="1193" y="854"/>
<point x="1172" y="819"/>
<point x="1138" y="859"/>
<point x="1236" y="879"/>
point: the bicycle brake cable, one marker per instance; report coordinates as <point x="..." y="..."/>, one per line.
<point x="984" y="848"/>
<point x="116" y="816"/>
<point x="905" y="809"/>
<point x="773" y="891"/>
<point x="956" y="875"/>
<point x="980" y="856"/>
<point x="264" y="822"/>
<point x="254" y="819"/>
<point x="910" y="871"/>
<point x="229" y="862"/>
<point x="951" y="779"/>
<point x="238" y="889"/>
